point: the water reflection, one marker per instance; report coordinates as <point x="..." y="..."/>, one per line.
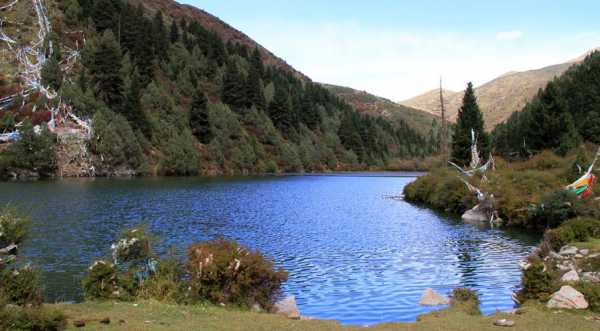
<point x="352" y="254"/>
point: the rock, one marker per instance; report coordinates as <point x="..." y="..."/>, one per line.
<point x="257" y="308"/>
<point x="555" y="255"/>
<point x="593" y="256"/>
<point x="524" y="265"/>
<point x="568" y="250"/>
<point x="570" y="276"/>
<point x="567" y="298"/>
<point x="593" y="277"/>
<point x="578" y="256"/>
<point x="432" y="298"/>
<point x="584" y="251"/>
<point x="504" y="323"/>
<point x="475" y="215"/>
<point x="105" y="320"/>
<point x="288" y="307"/>
<point x="78" y="323"/>
<point x="566" y="266"/>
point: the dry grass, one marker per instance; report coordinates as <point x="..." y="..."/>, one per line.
<point x="155" y="316"/>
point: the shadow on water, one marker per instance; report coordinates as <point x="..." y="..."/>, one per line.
<point x="352" y="254"/>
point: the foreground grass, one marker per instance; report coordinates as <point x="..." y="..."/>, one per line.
<point x="151" y="315"/>
<point x="592" y="244"/>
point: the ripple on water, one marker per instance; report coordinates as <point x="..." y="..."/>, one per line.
<point x="352" y="254"/>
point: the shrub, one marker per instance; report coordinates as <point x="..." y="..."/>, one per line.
<point x="538" y="283"/>
<point x="21" y="286"/>
<point x="591" y="292"/>
<point x="14" y="226"/>
<point x="101" y="281"/>
<point x="222" y="271"/>
<point x="115" y="141"/>
<point x="466" y="299"/>
<point x="166" y="283"/>
<point x="132" y="247"/>
<point x="575" y="230"/>
<point x="555" y="208"/>
<point x="33" y="152"/>
<point x="27" y="319"/>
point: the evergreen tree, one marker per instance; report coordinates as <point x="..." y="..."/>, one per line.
<point x="254" y="91"/>
<point x="73" y="12"/>
<point x="161" y="40"/>
<point x="280" y="110"/>
<point x="133" y="109"/>
<point x="106" y="14"/>
<point x="174" y="32"/>
<point x="106" y="71"/>
<point x="234" y="93"/>
<point x="256" y="63"/>
<point x="469" y="119"/>
<point x="199" y="119"/>
<point x="52" y="74"/>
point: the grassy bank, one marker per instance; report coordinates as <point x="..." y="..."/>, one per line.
<point x="150" y="315"/>
<point x="519" y="188"/>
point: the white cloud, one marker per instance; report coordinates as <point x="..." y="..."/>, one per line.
<point x="509" y="35"/>
<point x="399" y="64"/>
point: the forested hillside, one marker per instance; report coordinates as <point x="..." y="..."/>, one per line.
<point x="166" y="95"/>
<point x="559" y="118"/>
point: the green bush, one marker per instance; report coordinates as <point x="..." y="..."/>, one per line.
<point x="14" y="226"/>
<point x="166" y="284"/>
<point x="101" y="281"/>
<point x="222" y="271"/>
<point x="114" y="141"/>
<point x="21" y="286"/>
<point x="591" y="292"/>
<point x="538" y="283"/>
<point x="441" y="190"/>
<point x="466" y="299"/>
<point x="575" y="230"/>
<point x="555" y="208"/>
<point x="33" y="152"/>
<point x="28" y="319"/>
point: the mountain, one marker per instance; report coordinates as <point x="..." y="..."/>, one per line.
<point x="499" y="98"/>
<point x="367" y="103"/>
<point x="113" y="87"/>
<point x="212" y="23"/>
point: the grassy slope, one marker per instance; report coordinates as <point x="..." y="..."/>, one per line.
<point x="156" y="316"/>
<point x="368" y="103"/>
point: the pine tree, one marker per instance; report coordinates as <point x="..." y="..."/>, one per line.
<point x="234" y="93"/>
<point x="174" y="32"/>
<point x="73" y="12"/>
<point x="254" y="91"/>
<point x="132" y="109"/>
<point x="469" y="119"/>
<point x="280" y="110"/>
<point x="52" y="74"/>
<point x="106" y="71"/>
<point x="161" y="43"/>
<point x="199" y="120"/>
<point x="106" y="14"/>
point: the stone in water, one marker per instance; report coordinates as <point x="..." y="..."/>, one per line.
<point x="432" y="298"/>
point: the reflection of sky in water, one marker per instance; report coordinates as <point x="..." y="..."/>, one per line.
<point x="352" y="254"/>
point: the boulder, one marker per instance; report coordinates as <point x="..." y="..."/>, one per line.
<point x="568" y="250"/>
<point x="504" y="323"/>
<point x="570" y="276"/>
<point x="288" y="308"/>
<point x="584" y="251"/>
<point x="593" y="277"/>
<point x="566" y="266"/>
<point x="431" y="298"/>
<point x="475" y="215"/>
<point x="567" y="298"/>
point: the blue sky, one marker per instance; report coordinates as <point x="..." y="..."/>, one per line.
<point x="398" y="49"/>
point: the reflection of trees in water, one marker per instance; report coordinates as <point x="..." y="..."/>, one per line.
<point x="468" y="254"/>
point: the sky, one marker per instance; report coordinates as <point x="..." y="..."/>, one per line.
<point x="400" y="49"/>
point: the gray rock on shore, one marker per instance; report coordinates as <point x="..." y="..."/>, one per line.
<point x="567" y="298"/>
<point x="431" y="298"/>
<point x="570" y="276"/>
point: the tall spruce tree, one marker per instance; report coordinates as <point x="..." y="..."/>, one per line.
<point x="174" y="34"/>
<point x="469" y="119"/>
<point x="280" y="110"/>
<point x="106" y="71"/>
<point x="234" y="92"/>
<point x="160" y="37"/>
<point x="106" y="14"/>
<point x="199" y="120"/>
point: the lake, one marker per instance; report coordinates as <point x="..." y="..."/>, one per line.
<point x="354" y="253"/>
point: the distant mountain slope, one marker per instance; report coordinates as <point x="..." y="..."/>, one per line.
<point x="365" y="102"/>
<point x="498" y="98"/>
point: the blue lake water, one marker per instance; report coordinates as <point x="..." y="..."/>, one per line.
<point x="354" y="254"/>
